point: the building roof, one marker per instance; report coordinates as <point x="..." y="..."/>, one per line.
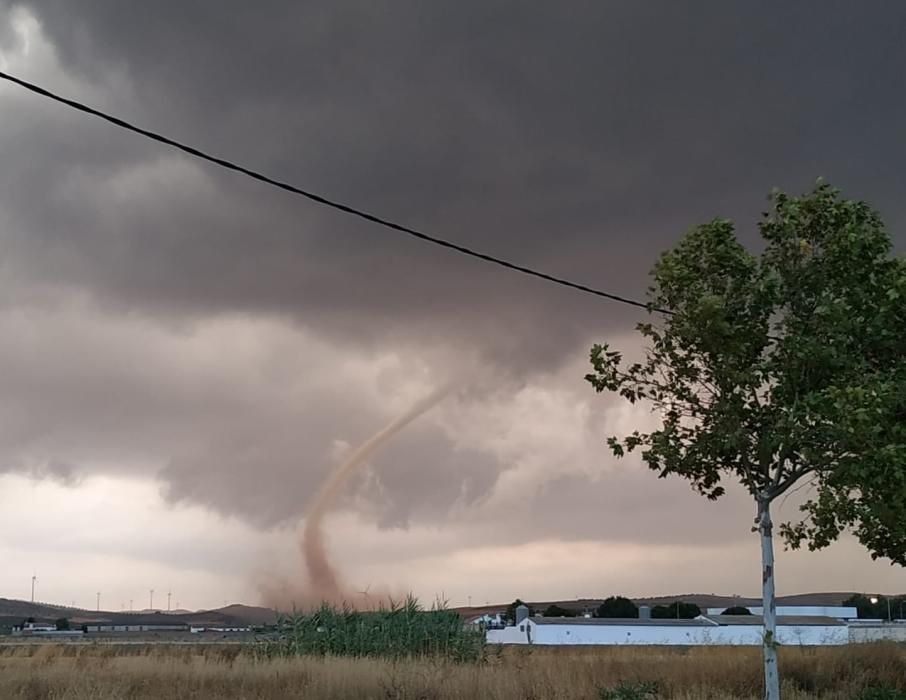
<point x="620" y="621"/>
<point x="133" y="623"/>
<point x="785" y="620"/>
<point x="702" y="621"/>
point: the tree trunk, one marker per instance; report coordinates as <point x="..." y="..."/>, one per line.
<point x="768" y="601"/>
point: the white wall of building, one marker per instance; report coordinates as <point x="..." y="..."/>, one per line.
<point x="653" y="634"/>
<point x="810" y="635"/>
<point x="507" y="635"/>
<point x="615" y="634"/>
<point x="860" y="634"/>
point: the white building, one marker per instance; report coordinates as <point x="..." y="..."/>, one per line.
<point x="488" y="620"/>
<point x="106" y="627"/>
<point x="839" y="612"/>
<point x="32" y="627"/>
<point x="198" y="630"/>
<point x="716" y="629"/>
<point x="37" y="629"/>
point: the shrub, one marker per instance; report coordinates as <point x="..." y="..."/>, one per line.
<point x="736" y="610"/>
<point x="676" y="611"/>
<point x="617" y="606"/>
<point x="557" y="611"/>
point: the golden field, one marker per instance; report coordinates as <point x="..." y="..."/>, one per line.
<point x="94" y="672"/>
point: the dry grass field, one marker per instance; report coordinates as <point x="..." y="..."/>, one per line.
<point x="85" y="672"/>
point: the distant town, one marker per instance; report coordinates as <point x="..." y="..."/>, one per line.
<point x="819" y="619"/>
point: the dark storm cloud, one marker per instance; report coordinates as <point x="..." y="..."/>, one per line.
<point x="268" y="476"/>
<point x="580" y="138"/>
<point x="583" y="140"/>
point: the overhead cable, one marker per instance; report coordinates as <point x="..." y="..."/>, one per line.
<point x="346" y="208"/>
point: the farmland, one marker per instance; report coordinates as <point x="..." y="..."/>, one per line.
<point x="161" y="672"/>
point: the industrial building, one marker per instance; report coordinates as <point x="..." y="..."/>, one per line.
<point x="197" y="629"/>
<point x="716" y="629"/>
<point x="37" y="629"/>
<point x="703" y="630"/>
<point x="109" y="628"/>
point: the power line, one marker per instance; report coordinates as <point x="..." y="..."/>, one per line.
<point x="348" y="209"/>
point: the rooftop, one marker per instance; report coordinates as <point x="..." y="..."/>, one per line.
<point x="788" y="620"/>
<point x="703" y="621"/>
<point x="620" y="621"/>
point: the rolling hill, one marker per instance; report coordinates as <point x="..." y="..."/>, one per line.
<point x="702" y="600"/>
<point x="15" y="611"/>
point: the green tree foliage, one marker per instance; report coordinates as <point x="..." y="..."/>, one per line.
<point x="62" y="624"/>
<point x="510" y="614"/>
<point x="617" y="606"/>
<point x="676" y="610"/>
<point x="736" y="610"/>
<point x="557" y="611"/>
<point x="878" y="610"/>
<point x="780" y="369"/>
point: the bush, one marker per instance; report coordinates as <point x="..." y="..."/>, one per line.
<point x="617" y="606"/>
<point x="557" y="611"/>
<point x="736" y="610"/>
<point x="676" y="611"/>
<point x="631" y="691"/>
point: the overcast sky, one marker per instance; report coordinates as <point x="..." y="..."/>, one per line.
<point x="185" y="353"/>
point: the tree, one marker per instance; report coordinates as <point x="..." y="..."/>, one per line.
<point x="865" y="609"/>
<point x="877" y="607"/>
<point x="557" y="611"/>
<point x="62" y="624"/>
<point x="780" y="369"/>
<point x="617" y="606"/>
<point x="736" y="610"/>
<point x="678" y="610"/>
<point x="510" y="614"/>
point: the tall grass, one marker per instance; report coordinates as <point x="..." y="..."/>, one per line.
<point x="198" y="672"/>
<point x="395" y="630"/>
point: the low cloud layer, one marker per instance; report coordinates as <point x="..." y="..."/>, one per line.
<point x="163" y="320"/>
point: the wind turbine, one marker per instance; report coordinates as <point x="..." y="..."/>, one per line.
<point x="151" y="600"/>
<point x="34" y="578"/>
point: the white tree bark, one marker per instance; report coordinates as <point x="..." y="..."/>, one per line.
<point x="769" y="602"/>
